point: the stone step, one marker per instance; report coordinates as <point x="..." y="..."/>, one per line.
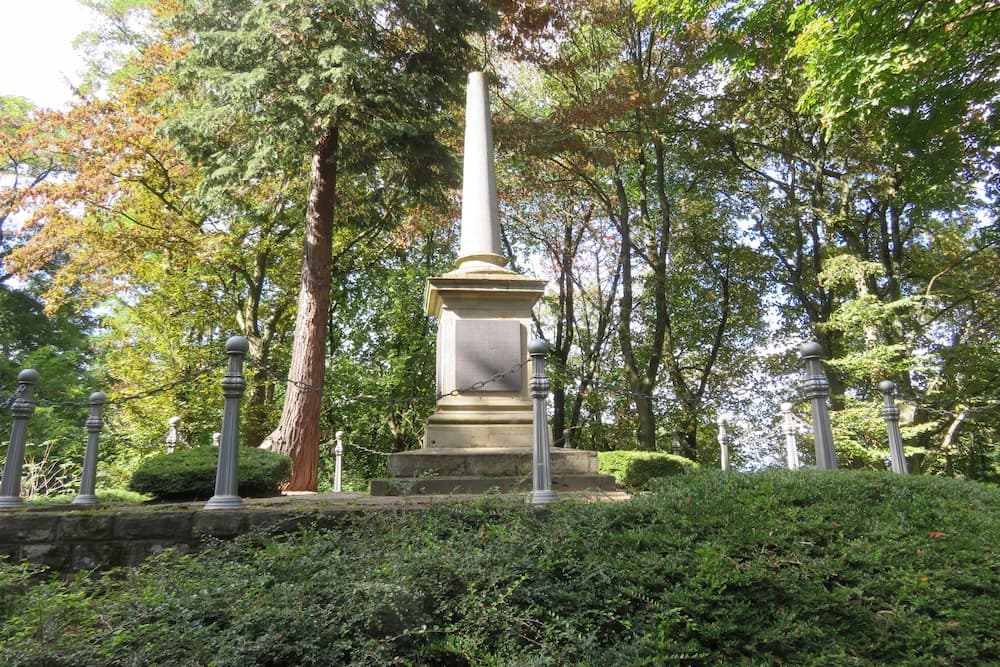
<point x="403" y="486"/>
<point x="487" y="462"/>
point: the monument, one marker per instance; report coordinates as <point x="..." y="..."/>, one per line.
<point x="480" y="435"/>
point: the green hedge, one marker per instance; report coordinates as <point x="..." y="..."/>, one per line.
<point x="711" y="568"/>
<point x="189" y="474"/>
<point x="633" y="469"/>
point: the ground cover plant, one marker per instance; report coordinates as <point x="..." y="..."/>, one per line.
<point x="823" y="568"/>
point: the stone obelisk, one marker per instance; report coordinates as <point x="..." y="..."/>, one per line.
<point x="480" y="435"/>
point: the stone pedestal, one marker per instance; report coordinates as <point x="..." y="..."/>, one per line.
<point x="482" y="383"/>
<point x="480" y="435"/>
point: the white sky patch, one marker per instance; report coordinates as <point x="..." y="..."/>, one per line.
<point x="37" y="36"/>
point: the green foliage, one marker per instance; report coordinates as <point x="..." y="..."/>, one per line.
<point x="189" y="474"/>
<point x="634" y="469"/>
<point x="104" y="497"/>
<point x="807" y="568"/>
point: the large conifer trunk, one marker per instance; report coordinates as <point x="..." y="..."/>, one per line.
<point x="298" y="431"/>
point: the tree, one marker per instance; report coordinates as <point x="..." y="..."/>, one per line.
<point x="360" y="88"/>
<point x="863" y="136"/>
<point x="617" y="113"/>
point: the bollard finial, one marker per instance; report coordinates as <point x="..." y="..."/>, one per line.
<point x="237" y="345"/>
<point x="28" y="376"/>
<point x="887" y="387"/>
<point x="538" y="346"/>
<point x="810" y="349"/>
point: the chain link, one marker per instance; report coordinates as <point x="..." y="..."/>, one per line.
<point x="130" y="397"/>
<point x="496" y="377"/>
<point x="6" y="405"/>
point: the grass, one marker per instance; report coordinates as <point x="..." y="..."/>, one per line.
<point x="814" y="568"/>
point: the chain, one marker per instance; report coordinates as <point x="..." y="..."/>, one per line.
<point x="370" y="451"/>
<point x="412" y="400"/>
<point x="607" y="387"/>
<point x="131" y="397"/>
<point x="329" y="444"/>
<point x="6" y="405"/>
<point x="496" y="377"/>
<point x="302" y="386"/>
<point x="954" y="412"/>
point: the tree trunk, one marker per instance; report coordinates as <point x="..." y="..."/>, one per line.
<point x="298" y="431"/>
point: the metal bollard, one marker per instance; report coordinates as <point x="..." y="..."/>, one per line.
<point x="233" y="386"/>
<point x="338" y="466"/>
<point x="891" y="414"/>
<point x="541" y="477"/>
<point x="89" y="478"/>
<point x="817" y="389"/>
<point x="723" y="442"/>
<point x="788" y="427"/>
<point x="22" y="408"/>
<point x="172" y="435"/>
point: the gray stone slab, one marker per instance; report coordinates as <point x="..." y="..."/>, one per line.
<point x="87" y="527"/>
<point x="484" y="348"/>
<point x="149" y="525"/>
<point x="219" y="524"/>
<point x="29" y="527"/>
<point x="477" y="485"/>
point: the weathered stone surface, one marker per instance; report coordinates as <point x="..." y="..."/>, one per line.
<point x="488" y="461"/>
<point x="94" y="555"/>
<point x="87" y="527"/>
<point x="28" y="527"/>
<point x="47" y="553"/>
<point x="135" y="553"/>
<point x="486" y="348"/>
<point x="149" y="525"/>
<point x="403" y="486"/>
<point x="219" y="523"/>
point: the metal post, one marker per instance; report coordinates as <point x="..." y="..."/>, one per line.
<point x="788" y="427"/>
<point x="338" y="467"/>
<point x="675" y="443"/>
<point x="567" y="438"/>
<point x="21" y="409"/>
<point x="172" y="437"/>
<point x="233" y="386"/>
<point x="216" y="439"/>
<point x="891" y="414"/>
<point x="817" y="389"/>
<point x="541" y="478"/>
<point x="89" y="478"/>
<point x="723" y="442"/>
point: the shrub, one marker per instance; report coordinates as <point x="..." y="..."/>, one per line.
<point x="803" y="568"/>
<point x="633" y="469"/>
<point x="190" y="473"/>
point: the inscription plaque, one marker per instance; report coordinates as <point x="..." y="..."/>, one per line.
<point x="485" y="348"/>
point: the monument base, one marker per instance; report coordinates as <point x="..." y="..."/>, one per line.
<point x="482" y="469"/>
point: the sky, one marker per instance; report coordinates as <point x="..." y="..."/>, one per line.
<point x="41" y="34"/>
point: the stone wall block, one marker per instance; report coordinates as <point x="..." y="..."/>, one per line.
<point x="139" y="526"/>
<point x="54" y="555"/>
<point x="31" y="527"/>
<point x="95" y="555"/>
<point x="219" y="524"/>
<point x="87" y="527"/>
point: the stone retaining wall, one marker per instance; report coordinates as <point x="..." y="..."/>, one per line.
<point x="95" y="539"/>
